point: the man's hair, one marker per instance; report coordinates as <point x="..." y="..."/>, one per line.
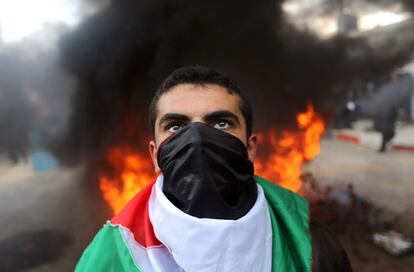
<point x="199" y="75"/>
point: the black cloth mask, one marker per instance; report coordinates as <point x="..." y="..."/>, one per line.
<point x="207" y="173"/>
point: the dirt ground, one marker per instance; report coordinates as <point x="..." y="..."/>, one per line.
<point x="57" y="208"/>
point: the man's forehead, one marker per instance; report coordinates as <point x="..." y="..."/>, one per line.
<point x="197" y="100"/>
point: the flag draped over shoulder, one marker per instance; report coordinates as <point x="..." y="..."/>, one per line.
<point x="128" y="243"/>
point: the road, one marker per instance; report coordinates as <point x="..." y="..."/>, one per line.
<point x="46" y="218"/>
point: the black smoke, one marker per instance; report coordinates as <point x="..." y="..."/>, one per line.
<point x="34" y="93"/>
<point x="15" y="111"/>
<point x="120" y="55"/>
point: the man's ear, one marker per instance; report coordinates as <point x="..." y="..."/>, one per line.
<point x="252" y="147"/>
<point x="154" y="152"/>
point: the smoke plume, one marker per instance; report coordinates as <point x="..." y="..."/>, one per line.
<point x="34" y="94"/>
<point x="120" y="55"/>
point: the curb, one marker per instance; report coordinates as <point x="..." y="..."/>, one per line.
<point x="366" y="141"/>
<point x="347" y="138"/>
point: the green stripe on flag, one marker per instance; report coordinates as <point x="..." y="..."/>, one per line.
<point x="289" y="214"/>
<point x="107" y="252"/>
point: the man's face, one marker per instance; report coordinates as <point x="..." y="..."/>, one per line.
<point x="209" y="104"/>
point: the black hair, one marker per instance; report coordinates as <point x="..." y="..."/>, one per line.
<point x="200" y="75"/>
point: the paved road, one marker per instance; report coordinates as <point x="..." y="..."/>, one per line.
<point x="384" y="178"/>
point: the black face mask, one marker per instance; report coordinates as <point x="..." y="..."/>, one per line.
<point x="207" y="173"/>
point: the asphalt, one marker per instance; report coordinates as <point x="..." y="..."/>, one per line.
<point x="47" y="218"/>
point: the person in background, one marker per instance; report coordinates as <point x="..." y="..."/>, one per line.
<point x="385" y="124"/>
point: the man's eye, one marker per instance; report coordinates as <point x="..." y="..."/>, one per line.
<point x="221" y="125"/>
<point x="173" y="128"/>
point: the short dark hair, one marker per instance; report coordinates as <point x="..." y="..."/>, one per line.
<point x="200" y="75"/>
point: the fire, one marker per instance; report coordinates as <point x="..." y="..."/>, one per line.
<point x="132" y="173"/>
<point x="285" y="152"/>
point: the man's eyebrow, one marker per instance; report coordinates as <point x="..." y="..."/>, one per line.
<point x="168" y="117"/>
<point x="220" y="114"/>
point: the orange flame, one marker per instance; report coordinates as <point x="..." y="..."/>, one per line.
<point x="286" y="152"/>
<point x="289" y="150"/>
<point x="133" y="172"/>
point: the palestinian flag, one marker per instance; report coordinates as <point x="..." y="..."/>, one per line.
<point x="128" y="243"/>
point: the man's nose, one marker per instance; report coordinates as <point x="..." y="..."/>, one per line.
<point x="198" y="119"/>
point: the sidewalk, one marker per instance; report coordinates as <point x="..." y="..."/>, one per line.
<point x="10" y="171"/>
<point x="362" y="134"/>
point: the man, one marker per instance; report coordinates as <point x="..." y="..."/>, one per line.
<point x="207" y="211"/>
<point x="384" y="123"/>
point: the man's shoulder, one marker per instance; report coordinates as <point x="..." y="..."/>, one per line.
<point x="328" y="253"/>
<point x="107" y="249"/>
<point x="293" y="211"/>
<point x="135" y="208"/>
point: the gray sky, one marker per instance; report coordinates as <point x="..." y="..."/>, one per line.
<point x="21" y="18"/>
<point x="320" y="16"/>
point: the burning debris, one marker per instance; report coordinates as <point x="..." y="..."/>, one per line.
<point x="131" y="172"/>
<point x="284" y="153"/>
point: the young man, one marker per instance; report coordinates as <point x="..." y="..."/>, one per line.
<point x="207" y="211"/>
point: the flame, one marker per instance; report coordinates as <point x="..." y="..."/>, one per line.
<point x="285" y="153"/>
<point x="132" y="173"/>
